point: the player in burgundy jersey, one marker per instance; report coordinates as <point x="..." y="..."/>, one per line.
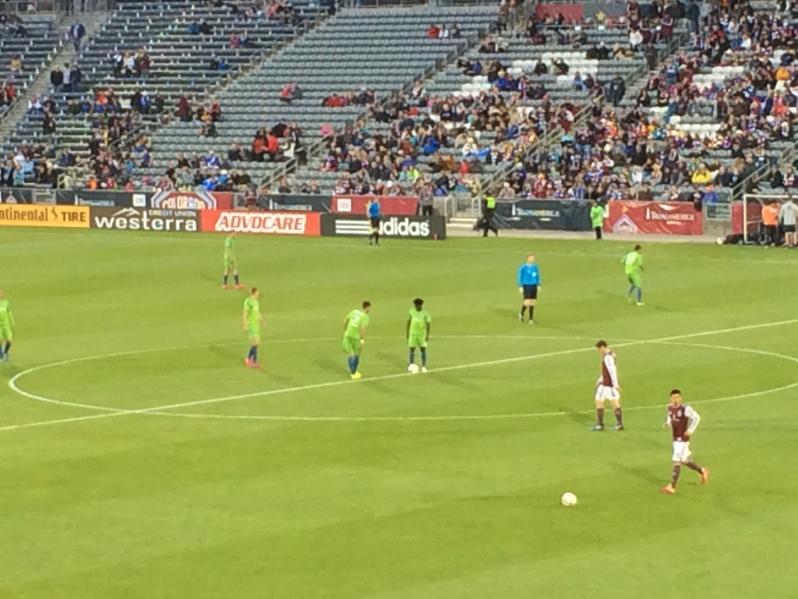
<point x="683" y="421"/>
<point x="608" y="388"/>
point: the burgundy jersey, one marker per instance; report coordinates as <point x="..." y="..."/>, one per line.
<point x="683" y="420"/>
<point x="609" y="372"/>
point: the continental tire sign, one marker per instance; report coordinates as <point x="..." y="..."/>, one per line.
<point x="44" y="215"/>
<point x="135" y="219"/>
<point x="408" y="227"/>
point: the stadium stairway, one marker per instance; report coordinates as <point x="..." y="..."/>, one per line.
<point x="36" y="49"/>
<point x="40" y="86"/>
<point x="355" y="48"/>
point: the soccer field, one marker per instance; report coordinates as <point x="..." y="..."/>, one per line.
<point x="140" y="458"/>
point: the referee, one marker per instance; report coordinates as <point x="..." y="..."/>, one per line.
<point x="528" y="283"/>
<point x="374" y="215"/>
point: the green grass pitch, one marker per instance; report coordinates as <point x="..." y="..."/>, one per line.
<point x="189" y="475"/>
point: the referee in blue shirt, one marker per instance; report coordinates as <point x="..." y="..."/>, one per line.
<point x="528" y="283"/>
<point x="374" y="221"/>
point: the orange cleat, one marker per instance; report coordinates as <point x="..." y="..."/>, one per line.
<point x="254" y="365"/>
<point x="668" y="489"/>
<point x="704" y="474"/>
<point x="247" y="362"/>
<point x="225" y="287"/>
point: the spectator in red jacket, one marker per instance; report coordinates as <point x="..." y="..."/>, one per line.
<point x="433" y="31"/>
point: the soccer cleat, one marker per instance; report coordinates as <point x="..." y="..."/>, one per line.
<point x="598" y="427"/>
<point x="225" y="287"/>
<point x="704" y="474"/>
<point x="520" y="318"/>
<point x="619" y="427"/>
<point x="668" y="489"/>
<point x="356" y="377"/>
<point x="247" y="362"/>
<point x="533" y="322"/>
<point x="640" y="304"/>
<point x="424" y="369"/>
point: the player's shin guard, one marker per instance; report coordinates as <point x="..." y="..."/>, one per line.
<point x="424" y="356"/>
<point x="677" y="470"/>
<point x="411" y="358"/>
<point x="618" y="415"/>
<point x="600" y="416"/>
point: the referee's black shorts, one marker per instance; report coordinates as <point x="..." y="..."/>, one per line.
<point x="375" y="222"/>
<point x="530" y="292"/>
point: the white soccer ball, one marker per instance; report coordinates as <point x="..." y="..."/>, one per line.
<point x="568" y="499"/>
<point x="413" y="369"/>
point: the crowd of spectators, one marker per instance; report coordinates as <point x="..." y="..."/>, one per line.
<point x="624" y="153"/>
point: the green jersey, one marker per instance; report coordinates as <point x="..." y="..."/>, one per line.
<point x="597" y="216"/>
<point x="357" y="319"/>
<point x="632" y="263"/>
<point x="419" y="319"/>
<point x="6" y="318"/>
<point x="229" y="251"/>
<point x="252" y="311"/>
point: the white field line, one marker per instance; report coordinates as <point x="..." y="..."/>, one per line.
<point x="161" y="410"/>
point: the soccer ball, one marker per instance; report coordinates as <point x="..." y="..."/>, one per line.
<point x="568" y="499"/>
<point x="413" y="369"/>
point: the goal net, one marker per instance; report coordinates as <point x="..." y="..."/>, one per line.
<point x="752" y="215"/>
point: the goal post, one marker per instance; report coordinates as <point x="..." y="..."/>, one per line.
<point x="752" y="205"/>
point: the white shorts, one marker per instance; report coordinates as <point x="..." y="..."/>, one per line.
<point x="681" y="451"/>
<point x="605" y="393"/>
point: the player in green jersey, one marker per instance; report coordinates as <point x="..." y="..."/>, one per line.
<point x="230" y="262"/>
<point x="418" y="327"/>
<point x="633" y="267"/>
<point x="6" y="324"/>
<point x="252" y="321"/>
<point x="355" y="325"/>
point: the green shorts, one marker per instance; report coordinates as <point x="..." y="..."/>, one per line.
<point x="635" y="279"/>
<point x="6" y="333"/>
<point x="417" y="341"/>
<point x="230" y="263"/>
<point x="351" y="345"/>
<point x="253" y="332"/>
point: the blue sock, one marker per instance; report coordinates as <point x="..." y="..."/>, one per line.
<point x="7" y="348"/>
<point x="639" y="294"/>
<point x="254" y="353"/>
<point x="224" y="280"/>
<point x="412" y="357"/>
<point x="423" y="356"/>
<point x="351" y="361"/>
<point x="631" y="290"/>
<point x="235" y="278"/>
<point x="251" y="353"/>
<point x="357" y="363"/>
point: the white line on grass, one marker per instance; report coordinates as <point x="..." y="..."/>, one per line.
<point x="108" y="412"/>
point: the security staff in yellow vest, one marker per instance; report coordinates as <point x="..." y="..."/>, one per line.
<point x="488" y="210"/>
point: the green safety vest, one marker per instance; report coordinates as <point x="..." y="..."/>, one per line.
<point x="490" y="202"/>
